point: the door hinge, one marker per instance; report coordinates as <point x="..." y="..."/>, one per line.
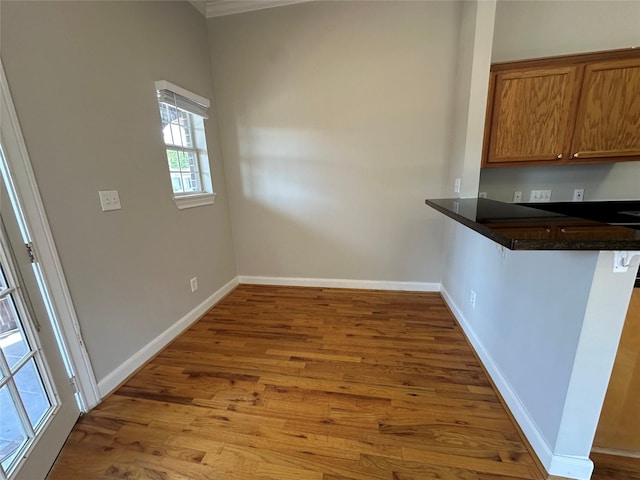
<point x="74" y="384"/>
<point x="31" y="252"/>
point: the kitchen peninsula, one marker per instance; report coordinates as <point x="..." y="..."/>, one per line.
<point x="541" y="292"/>
<point x="549" y="226"/>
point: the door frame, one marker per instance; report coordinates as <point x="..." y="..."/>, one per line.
<point x="62" y="310"/>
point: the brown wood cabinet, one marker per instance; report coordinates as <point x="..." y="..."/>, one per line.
<point x="619" y="426"/>
<point x="564" y="110"/>
<point x="580" y="230"/>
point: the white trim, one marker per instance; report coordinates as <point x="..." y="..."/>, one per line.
<point x="564" y="466"/>
<point x="196" y="200"/>
<point x="341" y="283"/>
<point x="220" y="8"/>
<point x="35" y="216"/>
<point x="120" y="374"/>
<point x="579" y="468"/>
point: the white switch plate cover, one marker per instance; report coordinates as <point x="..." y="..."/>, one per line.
<point x="538" y="196"/>
<point x="578" y="195"/>
<point x="109" y="200"/>
<point x="482" y="194"/>
<point x="517" y="197"/>
<point x="194" y="284"/>
<point x="456" y="185"/>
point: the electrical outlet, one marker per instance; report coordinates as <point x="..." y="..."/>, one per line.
<point x="472" y="299"/>
<point x="109" y="200"/>
<point x="482" y="195"/>
<point x="194" y="284"/>
<point x="517" y="197"/>
<point x="456" y="185"/>
<point x="578" y="194"/>
<point x="538" y="196"/>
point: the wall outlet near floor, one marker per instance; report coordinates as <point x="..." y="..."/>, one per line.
<point x="472" y="299"/>
<point x="537" y="196"/>
<point x="482" y="194"/>
<point x="194" y="284"/>
<point x="578" y="194"/>
<point x="517" y="197"/>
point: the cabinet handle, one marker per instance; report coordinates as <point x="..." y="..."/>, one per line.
<point x="548" y="230"/>
<point x="576" y="155"/>
<point x="559" y="156"/>
<point x="563" y="230"/>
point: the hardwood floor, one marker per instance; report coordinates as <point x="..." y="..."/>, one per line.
<point x="306" y="383"/>
<point x="608" y="467"/>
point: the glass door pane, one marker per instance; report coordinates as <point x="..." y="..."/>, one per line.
<point x="25" y="398"/>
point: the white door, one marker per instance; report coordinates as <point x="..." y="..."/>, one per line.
<point x="38" y="407"/>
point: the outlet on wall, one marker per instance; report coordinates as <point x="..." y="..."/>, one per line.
<point x="472" y="299"/>
<point x="194" y="284"/>
<point x="517" y="197"/>
<point x="578" y="194"/>
<point x="456" y="185"/>
<point x="109" y="200"/>
<point x="537" y="196"/>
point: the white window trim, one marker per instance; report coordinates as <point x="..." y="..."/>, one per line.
<point x="190" y="200"/>
<point x="194" y="200"/>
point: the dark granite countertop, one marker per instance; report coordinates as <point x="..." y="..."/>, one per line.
<point x="549" y="226"/>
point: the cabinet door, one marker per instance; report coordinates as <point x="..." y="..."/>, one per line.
<point x="608" y="119"/>
<point x="530" y="115"/>
<point x="594" y="232"/>
<point x="525" y="233"/>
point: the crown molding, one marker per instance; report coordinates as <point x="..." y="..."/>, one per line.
<point x="219" y="8"/>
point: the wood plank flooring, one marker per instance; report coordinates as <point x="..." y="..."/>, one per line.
<point x="305" y="384"/>
<point x="608" y="467"/>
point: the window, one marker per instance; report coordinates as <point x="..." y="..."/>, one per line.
<point x="183" y="114"/>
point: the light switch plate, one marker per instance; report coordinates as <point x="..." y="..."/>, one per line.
<point x="109" y="200"/>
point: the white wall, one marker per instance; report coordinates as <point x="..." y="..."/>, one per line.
<point x="470" y="99"/>
<point x="335" y="124"/>
<point x="546" y="326"/>
<point x="530" y="29"/>
<point x="528" y="315"/>
<point x="82" y="78"/>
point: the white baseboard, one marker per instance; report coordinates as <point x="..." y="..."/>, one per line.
<point x="341" y="283"/>
<point x="565" y="466"/>
<point x="579" y="468"/>
<point x="120" y="374"/>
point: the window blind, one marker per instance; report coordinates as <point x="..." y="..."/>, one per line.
<point x="181" y="98"/>
<point x="183" y="103"/>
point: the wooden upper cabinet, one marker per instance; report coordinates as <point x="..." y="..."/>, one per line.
<point x="563" y="110"/>
<point x="608" y="120"/>
<point x="531" y="118"/>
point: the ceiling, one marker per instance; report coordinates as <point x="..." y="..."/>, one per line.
<point x="219" y="8"/>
